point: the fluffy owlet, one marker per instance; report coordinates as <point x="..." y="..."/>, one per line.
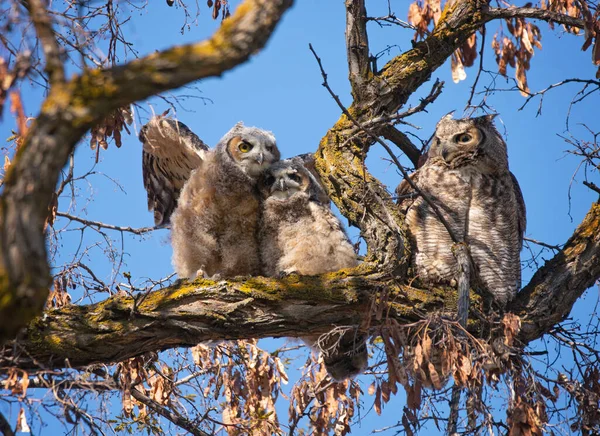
<point x="300" y="234"/>
<point x="215" y="225"/>
<point x="466" y="175"/>
<point x="170" y="153"/>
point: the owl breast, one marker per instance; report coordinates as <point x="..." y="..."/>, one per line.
<point x="477" y="206"/>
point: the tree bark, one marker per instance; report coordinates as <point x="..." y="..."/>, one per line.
<point x="72" y="108"/>
<point x="186" y="314"/>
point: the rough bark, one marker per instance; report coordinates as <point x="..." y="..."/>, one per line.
<point x="70" y="109"/>
<point x="186" y="314"/>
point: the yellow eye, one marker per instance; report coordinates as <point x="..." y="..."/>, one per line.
<point x="245" y="147"/>
<point x="463" y="138"/>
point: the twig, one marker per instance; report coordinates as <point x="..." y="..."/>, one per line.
<point x="171" y="415"/>
<point x="543" y="244"/>
<point x="480" y="66"/>
<point x="592" y="186"/>
<point x="43" y="27"/>
<point x="535" y="13"/>
<point x="136" y="231"/>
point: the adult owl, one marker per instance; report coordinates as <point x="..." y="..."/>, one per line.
<point x="170" y="152"/>
<point x="466" y="176"/>
<point x="215" y="225"/>
<point x="300" y="234"/>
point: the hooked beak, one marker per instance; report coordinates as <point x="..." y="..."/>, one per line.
<point x="260" y="158"/>
<point x="281" y="185"/>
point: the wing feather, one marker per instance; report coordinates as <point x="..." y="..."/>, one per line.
<point x="171" y="151"/>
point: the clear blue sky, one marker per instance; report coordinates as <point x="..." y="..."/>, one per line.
<point x="280" y="90"/>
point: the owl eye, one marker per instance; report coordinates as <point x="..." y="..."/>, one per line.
<point x="270" y="180"/>
<point x="296" y="178"/>
<point x="244" y="147"/>
<point x="464" y="138"/>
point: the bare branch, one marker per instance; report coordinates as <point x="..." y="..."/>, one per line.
<point x="357" y="46"/>
<point x="535" y="13"/>
<point x="43" y="27"/>
<point x="170" y="414"/>
<point x="592" y="186"/>
<point x="554" y="288"/>
<point x="100" y="225"/>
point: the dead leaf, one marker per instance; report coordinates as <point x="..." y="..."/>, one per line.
<point x="458" y="70"/>
<point x="22" y="425"/>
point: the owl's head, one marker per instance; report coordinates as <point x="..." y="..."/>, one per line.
<point x="467" y="138"/>
<point x="289" y="178"/>
<point x="251" y="149"/>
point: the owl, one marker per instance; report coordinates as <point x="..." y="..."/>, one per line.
<point x="170" y="152"/>
<point x="215" y="225"/>
<point x="300" y="234"/>
<point x="466" y="175"/>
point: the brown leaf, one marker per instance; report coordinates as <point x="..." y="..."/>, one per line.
<point x="16" y="107"/>
<point x="22" y="425"/>
<point x="413" y="396"/>
<point x="372" y="388"/>
<point x="377" y="403"/>
<point x="469" y="51"/>
<point x="6" y="163"/>
<point x="521" y="76"/>
<point x="596" y="52"/>
<point x="458" y="70"/>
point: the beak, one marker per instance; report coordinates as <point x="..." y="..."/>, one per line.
<point x="281" y="185"/>
<point x="260" y="158"/>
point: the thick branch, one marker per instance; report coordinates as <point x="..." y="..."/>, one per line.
<point x="553" y="290"/>
<point x="357" y="46"/>
<point x="69" y="111"/>
<point x="188" y="313"/>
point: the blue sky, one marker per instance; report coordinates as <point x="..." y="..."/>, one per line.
<point x="280" y="90"/>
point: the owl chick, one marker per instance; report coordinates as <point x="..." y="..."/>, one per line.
<point x="466" y="175"/>
<point x="300" y="234"/>
<point x="215" y="225"/>
<point x="171" y="151"/>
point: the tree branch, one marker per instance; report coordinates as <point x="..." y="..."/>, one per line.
<point x="554" y="288"/>
<point x="357" y="46"/>
<point x="69" y="111"/>
<point x="535" y="13"/>
<point x="101" y="225"/>
<point x="43" y="27"/>
<point x="188" y="313"/>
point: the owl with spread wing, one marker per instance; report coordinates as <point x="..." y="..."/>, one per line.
<point x="171" y="151"/>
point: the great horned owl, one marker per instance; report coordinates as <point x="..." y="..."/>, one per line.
<point x="215" y="225"/>
<point x="466" y="175"/>
<point x="171" y="151"/>
<point x="299" y="234"/>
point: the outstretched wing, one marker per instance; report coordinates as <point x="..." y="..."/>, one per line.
<point x="170" y="153"/>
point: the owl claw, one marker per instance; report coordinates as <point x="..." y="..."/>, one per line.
<point x="284" y="274"/>
<point x="201" y="274"/>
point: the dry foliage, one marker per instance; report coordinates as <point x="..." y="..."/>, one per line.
<point x="111" y="126"/>
<point x="247" y="379"/>
<point x="517" y="49"/>
<point x="328" y="405"/>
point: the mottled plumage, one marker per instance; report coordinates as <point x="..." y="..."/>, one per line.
<point x="170" y="153"/>
<point x="300" y="234"/>
<point x="466" y="175"/>
<point x="215" y="225"/>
